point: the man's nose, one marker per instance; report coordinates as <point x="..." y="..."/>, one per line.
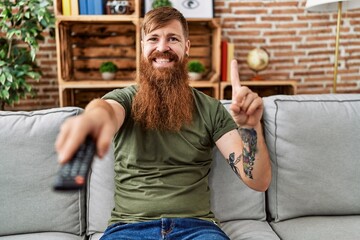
<point x="163" y="46"/>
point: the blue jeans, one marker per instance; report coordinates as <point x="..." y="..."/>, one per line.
<point x="165" y="228"/>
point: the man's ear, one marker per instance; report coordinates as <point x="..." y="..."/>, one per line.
<point x="187" y="48"/>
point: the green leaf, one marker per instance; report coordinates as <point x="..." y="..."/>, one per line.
<point x="28" y="87"/>
<point x="2" y="78"/>
<point x="27" y="15"/>
<point x="31" y="74"/>
<point x="8" y="77"/>
<point x="5" y="94"/>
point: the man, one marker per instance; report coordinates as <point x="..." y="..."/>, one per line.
<point x="163" y="132"/>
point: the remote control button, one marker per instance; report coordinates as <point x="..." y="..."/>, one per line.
<point x="80" y="180"/>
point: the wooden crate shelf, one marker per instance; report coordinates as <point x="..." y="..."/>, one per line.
<point x="205" y="38"/>
<point x="83" y="47"/>
<point x="263" y="88"/>
<point x="80" y="97"/>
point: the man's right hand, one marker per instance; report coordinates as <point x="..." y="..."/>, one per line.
<point x="99" y="120"/>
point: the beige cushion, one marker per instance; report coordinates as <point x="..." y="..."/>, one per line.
<point x="28" y="166"/>
<point x="314" y="146"/>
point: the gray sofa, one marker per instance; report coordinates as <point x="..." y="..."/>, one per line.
<point x="314" y="143"/>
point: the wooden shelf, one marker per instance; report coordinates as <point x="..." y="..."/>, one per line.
<point x="96" y="84"/>
<point x="96" y="18"/>
<point x="263" y="88"/>
<point x="135" y="13"/>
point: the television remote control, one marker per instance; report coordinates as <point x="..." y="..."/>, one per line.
<point x="73" y="174"/>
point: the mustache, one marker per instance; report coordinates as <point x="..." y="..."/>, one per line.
<point x="167" y="54"/>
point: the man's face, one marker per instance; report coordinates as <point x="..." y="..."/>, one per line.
<point x="164" y="100"/>
<point x="169" y="39"/>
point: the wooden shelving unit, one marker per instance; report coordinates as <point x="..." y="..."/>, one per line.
<point x="263" y="88"/>
<point x="85" y="41"/>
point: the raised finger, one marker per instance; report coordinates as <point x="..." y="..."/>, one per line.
<point x="235" y="79"/>
<point x="240" y="96"/>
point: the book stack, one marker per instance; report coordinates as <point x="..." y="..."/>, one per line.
<point x="227" y="55"/>
<point x="83" y="7"/>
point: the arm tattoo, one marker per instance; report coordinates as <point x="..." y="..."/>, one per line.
<point x="232" y="162"/>
<point x="249" y="137"/>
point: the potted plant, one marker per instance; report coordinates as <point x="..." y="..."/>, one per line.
<point x="195" y="69"/>
<point x="161" y="3"/>
<point x="22" y="24"/>
<point x="108" y="70"/>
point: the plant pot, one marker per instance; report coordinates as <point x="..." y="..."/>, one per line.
<point x="195" y="76"/>
<point x="108" y="75"/>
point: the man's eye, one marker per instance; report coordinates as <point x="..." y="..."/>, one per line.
<point x="173" y="39"/>
<point x="152" y="39"/>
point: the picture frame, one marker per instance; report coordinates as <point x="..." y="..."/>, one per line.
<point x="189" y="8"/>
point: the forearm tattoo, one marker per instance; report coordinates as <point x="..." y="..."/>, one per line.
<point x="249" y="137"/>
<point x="232" y="162"/>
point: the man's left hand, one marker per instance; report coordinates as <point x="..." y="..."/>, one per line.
<point x="246" y="107"/>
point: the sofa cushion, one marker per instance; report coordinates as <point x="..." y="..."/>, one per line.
<point x="100" y="194"/>
<point x="28" y="166"/>
<point x="313" y="142"/>
<point x="43" y="236"/>
<point x="249" y="230"/>
<point x="95" y="236"/>
<point x="319" y="227"/>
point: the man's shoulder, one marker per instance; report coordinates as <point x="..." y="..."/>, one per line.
<point x="203" y="97"/>
<point x="121" y="92"/>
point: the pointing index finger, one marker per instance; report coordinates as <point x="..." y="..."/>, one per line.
<point x="235" y="80"/>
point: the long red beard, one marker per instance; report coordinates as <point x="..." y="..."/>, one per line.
<point x="164" y="100"/>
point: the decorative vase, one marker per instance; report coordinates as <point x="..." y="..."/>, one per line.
<point x="195" y="76"/>
<point x="108" y="75"/>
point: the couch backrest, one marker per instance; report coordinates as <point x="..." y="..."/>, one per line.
<point x="313" y="142"/>
<point x="100" y="193"/>
<point x="231" y="199"/>
<point x="28" y="164"/>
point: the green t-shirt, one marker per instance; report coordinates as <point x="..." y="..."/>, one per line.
<point x="165" y="174"/>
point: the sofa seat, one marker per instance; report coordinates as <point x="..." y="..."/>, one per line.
<point x="319" y="227"/>
<point x="249" y="230"/>
<point x="44" y="236"/>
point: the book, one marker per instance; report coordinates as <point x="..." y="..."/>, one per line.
<point x="230" y="57"/>
<point x="223" y="63"/>
<point x="90" y="7"/>
<point x="66" y="7"/>
<point x="74" y="7"/>
<point x="83" y="7"/>
<point x="99" y="7"/>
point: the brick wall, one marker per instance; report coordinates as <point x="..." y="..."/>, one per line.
<point x="301" y="46"/>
